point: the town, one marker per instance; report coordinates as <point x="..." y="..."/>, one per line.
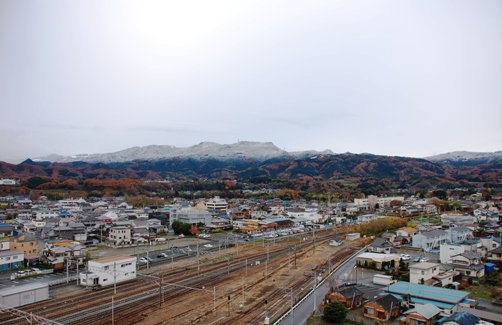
<point x="415" y="263"/>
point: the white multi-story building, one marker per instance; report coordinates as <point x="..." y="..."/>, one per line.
<point x="120" y="236"/>
<point x="110" y="270"/>
<point x="189" y="215"/>
<point x="373" y="200"/>
<point x="71" y="204"/>
<point x="45" y="214"/>
<point x="423" y="270"/>
<point x="431" y="239"/>
<point x="11" y="260"/>
<point x="6" y="181"/>
<point x="216" y="205"/>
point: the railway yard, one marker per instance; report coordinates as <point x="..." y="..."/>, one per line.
<point x="218" y="287"/>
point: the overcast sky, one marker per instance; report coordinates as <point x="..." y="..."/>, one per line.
<point x="404" y="78"/>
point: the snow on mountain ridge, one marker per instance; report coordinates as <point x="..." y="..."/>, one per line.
<point x="465" y="156"/>
<point x="260" y="151"/>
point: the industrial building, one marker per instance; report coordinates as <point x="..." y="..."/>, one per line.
<point x="24" y="294"/>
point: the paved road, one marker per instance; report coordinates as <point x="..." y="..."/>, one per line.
<point x="304" y="310"/>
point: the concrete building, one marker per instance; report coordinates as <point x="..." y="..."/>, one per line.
<point x="477" y="246"/>
<point x="431" y="273"/>
<point x="431" y="239"/>
<point x="191" y="216"/>
<point x="11" y="260"/>
<point x="423" y="271"/>
<point x="120" y="236"/>
<point x="27" y="244"/>
<point x="24" y="294"/>
<point x="110" y="270"/>
<point x="373" y="200"/>
<point x="364" y="259"/>
<point x="216" y="205"/>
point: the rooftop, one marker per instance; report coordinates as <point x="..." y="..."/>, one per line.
<point x="428" y="310"/>
<point x="120" y="258"/>
<point x="424" y="265"/>
<point x="426" y="292"/>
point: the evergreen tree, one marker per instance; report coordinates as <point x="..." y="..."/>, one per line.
<point x="335" y="312"/>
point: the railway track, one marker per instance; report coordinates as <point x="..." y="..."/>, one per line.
<point x="137" y="298"/>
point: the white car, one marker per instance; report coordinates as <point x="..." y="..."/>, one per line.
<point x="424" y="259"/>
<point x="208" y="245"/>
<point x="405" y="257"/>
<point x="142" y="260"/>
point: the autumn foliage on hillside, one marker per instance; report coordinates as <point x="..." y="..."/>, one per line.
<point x="365" y="173"/>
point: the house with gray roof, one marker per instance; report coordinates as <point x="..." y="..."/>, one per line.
<point x="468" y="264"/>
<point x="381" y="245"/>
<point x="430" y="239"/>
<point x="422" y="314"/>
<point x="495" y="255"/>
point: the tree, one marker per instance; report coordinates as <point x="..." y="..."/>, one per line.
<point x="335" y="312"/>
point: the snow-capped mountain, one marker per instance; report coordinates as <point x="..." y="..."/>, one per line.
<point x="259" y="151"/>
<point x="466" y="156"/>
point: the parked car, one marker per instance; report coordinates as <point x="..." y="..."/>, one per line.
<point x="416" y="259"/>
<point x="21" y="273"/>
<point x="162" y="255"/>
<point x="208" y="245"/>
<point x="142" y="260"/>
<point x="405" y="257"/>
<point x="424" y="259"/>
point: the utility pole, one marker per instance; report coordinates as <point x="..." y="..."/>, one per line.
<point x="114" y="278"/>
<point x="242" y="291"/>
<point x="315" y="285"/>
<point x="292" y="311"/>
<point x="161" y="298"/>
<point x="295" y="256"/>
<point x="67" y="271"/>
<point x="289" y="262"/>
<point x="228" y="314"/>
<point x="313" y="238"/>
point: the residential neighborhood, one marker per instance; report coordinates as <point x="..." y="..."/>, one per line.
<point x="449" y="251"/>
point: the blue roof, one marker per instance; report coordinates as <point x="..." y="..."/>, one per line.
<point x="428" y="292"/>
<point x="462" y="318"/>
<point x="422" y="301"/>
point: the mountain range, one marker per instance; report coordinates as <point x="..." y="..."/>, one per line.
<point x="259" y="162"/>
<point x="258" y="151"/>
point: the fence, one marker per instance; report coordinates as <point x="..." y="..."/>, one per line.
<point x="61" y="281"/>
